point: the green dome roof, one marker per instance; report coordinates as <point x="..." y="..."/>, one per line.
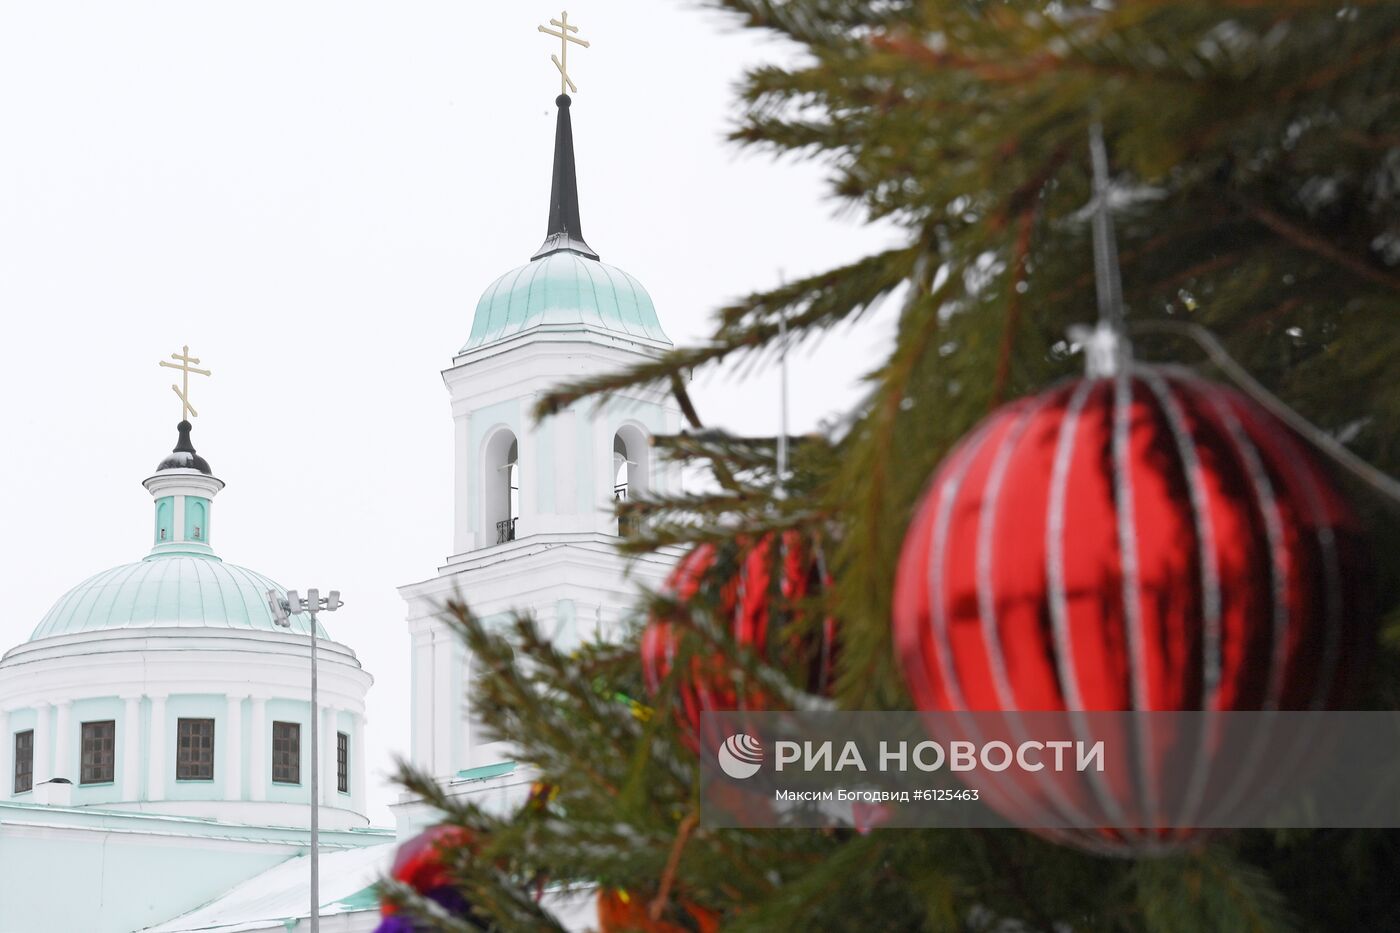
<point x="563" y="289"/>
<point x="168" y="591"/>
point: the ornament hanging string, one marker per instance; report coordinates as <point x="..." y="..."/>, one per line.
<point x="1106" y="349"/>
<point x="1384" y="484"/>
<point x="1106" y="346"/>
<point x="1107" y="277"/>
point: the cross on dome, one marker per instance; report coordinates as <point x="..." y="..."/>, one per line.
<point x="182" y="391"/>
<point x="561" y="61"/>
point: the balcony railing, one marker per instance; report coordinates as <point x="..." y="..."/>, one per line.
<point x="626" y="523"/>
<point x="505" y="531"/>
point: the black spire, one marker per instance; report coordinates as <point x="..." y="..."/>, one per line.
<point x="183" y="456"/>
<point x="565" y="230"/>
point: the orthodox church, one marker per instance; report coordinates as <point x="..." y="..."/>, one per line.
<point x="155" y="727"/>
<point x="534" y="527"/>
<point x="155" y="735"/>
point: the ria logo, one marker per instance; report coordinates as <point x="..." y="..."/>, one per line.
<point x="741" y="756"/>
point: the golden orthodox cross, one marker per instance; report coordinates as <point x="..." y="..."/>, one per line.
<point x="561" y="61"/>
<point x="182" y="363"/>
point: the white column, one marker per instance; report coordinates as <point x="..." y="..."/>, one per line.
<point x="329" y="793"/>
<point x="7" y="765"/>
<point x="465" y="473"/>
<point x="421" y="726"/>
<point x="131" y="749"/>
<point x="42" y="769"/>
<point x="564" y="429"/>
<point x="447" y="706"/>
<point x="257" y="749"/>
<point x="357" y="763"/>
<point x="155" y="781"/>
<point x="233" y="749"/>
<point x="63" y="743"/>
<point x="529" y="482"/>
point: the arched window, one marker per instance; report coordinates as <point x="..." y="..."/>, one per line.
<point x="622" y="469"/>
<point x="194" y="519"/>
<point x="501" y="486"/>
<point x="631" y="454"/>
<point x="165" y="519"/>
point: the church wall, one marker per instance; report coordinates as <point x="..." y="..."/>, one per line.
<point x="145" y="682"/>
<point x="563" y="433"/>
<point x="566" y="460"/>
<point x="74" y="870"/>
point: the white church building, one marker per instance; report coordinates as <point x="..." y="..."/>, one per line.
<point x="534" y="525"/>
<point x="155" y="734"/>
<point x="155" y="727"/>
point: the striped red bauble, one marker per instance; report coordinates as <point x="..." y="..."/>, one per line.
<point x="1143" y="541"/>
<point x="757" y="590"/>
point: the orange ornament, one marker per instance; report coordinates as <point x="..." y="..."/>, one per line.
<point x="621" y="911"/>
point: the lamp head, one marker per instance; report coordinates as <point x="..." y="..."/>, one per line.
<point x="278" y="606"/>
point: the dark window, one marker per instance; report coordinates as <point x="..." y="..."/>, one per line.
<point x="99" y="752"/>
<point x="342" y="762"/>
<point x="24" y="761"/>
<point x="194" y="751"/>
<point x="286" y="752"/>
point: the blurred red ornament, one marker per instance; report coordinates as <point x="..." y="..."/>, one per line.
<point x="745" y="601"/>
<point x="421" y="864"/>
<point x="1144" y="541"/>
<point x="625" y="912"/>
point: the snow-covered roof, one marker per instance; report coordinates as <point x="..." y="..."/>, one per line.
<point x="277" y="898"/>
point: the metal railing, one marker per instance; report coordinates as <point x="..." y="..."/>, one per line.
<point x="626" y="523"/>
<point x="505" y="531"/>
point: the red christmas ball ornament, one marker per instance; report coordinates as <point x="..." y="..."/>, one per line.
<point x="1143" y="540"/>
<point x="746" y="601"/>
<point x="625" y="912"/>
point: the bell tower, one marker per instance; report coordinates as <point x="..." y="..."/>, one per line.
<point x="534" y="528"/>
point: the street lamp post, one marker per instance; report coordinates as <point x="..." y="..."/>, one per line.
<point x="283" y="608"/>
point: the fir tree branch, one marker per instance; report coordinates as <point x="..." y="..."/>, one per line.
<point x="1318" y="246"/>
<point x="668" y="877"/>
<point x="1019" y="255"/>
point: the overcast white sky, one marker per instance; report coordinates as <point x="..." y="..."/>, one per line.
<point x="312" y="195"/>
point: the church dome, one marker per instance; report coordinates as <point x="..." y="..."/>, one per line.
<point x="184" y="457"/>
<point x="565" y="289"/>
<point x="182" y="583"/>
<point x="565" y="286"/>
<point x="168" y="591"/>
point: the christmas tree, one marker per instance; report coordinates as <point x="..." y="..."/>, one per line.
<point x="1255" y="181"/>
